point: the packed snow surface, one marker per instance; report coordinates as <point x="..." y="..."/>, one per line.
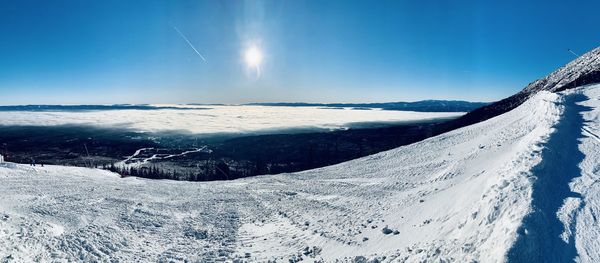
<point x="219" y="119"/>
<point x="514" y="187"/>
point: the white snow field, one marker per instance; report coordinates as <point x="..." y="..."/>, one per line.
<point x="511" y="188"/>
<point x="220" y="119"/>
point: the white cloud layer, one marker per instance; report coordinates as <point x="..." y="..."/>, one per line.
<point x="219" y="119"/>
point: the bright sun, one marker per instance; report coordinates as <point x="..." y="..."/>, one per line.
<point x="253" y="57"/>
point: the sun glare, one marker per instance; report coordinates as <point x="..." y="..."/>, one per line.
<point x="253" y="57"/>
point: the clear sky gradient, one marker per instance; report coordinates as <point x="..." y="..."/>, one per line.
<point x="105" y="52"/>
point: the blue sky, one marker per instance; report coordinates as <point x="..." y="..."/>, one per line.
<point x="104" y="52"/>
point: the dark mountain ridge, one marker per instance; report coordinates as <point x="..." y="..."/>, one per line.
<point x="421" y="106"/>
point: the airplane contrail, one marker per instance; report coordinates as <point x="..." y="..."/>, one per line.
<point x="573" y="52"/>
<point x="189" y="43"/>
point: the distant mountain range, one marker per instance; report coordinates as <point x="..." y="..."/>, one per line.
<point x="421" y="106"/>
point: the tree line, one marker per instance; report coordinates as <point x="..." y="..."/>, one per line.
<point x="209" y="171"/>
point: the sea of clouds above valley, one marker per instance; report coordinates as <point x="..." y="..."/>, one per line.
<point x="219" y="119"/>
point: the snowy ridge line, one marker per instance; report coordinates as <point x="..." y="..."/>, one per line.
<point x="582" y="71"/>
<point x="585" y="70"/>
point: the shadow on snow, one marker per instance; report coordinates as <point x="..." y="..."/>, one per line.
<point x="539" y="237"/>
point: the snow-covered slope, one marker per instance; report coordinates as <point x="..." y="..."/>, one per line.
<point x="467" y="195"/>
<point x="563" y="223"/>
<point x="582" y="212"/>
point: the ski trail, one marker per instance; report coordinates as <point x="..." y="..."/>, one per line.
<point x="136" y="153"/>
<point x="157" y="156"/>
